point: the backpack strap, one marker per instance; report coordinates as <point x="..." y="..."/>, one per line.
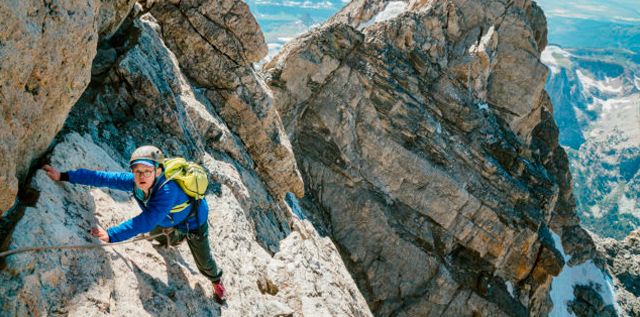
<point x="168" y="180"/>
<point x="195" y="205"/>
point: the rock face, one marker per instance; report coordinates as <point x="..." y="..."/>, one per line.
<point x="305" y="276"/>
<point x="482" y="41"/>
<point x="111" y="15"/>
<point x="46" y="49"/>
<point x="623" y="259"/>
<point x="421" y="130"/>
<point x="142" y="93"/>
<point x="588" y="302"/>
<point x="429" y="152"/>
<point x="196" y="30"/>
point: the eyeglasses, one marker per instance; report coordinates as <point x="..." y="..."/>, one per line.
<point x="143" y="173"/>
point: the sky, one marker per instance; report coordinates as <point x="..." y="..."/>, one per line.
<point x="611" y="10"/>
<point x="571" y="23"/>
<point x="604" y="10"/>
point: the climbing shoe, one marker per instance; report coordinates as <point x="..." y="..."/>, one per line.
<point x="219" y="293"/>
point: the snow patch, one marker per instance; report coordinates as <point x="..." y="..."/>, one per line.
<point x="274" y="48"/>
<point x="483" y="106"/>
<point x="285" y="39"/>
<point x="609" y="85"/>
<point x="612" y="104"/>
<point x="626" y="19"/>
<point x="484" y="44"/>
<point x="596" y="212"/>
<point x="583" y="274"/>
<point x="392" y="10"/>
<point x="510" y="288"/>
<point x="619" y="118"/>
<point x="595" y="105"/>
<point x="627" y="205"/>
<point x="554" y="57"/>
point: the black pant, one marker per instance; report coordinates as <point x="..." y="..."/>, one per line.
<point x="198" y="241"/>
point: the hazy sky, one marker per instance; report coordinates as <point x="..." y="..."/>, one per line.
<point x="570" y="22"/>
<point x="610" y="10"/>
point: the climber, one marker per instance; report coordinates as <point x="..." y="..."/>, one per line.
<point x="164" y="205"/>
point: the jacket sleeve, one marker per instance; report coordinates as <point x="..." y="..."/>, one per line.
<point x="158" y="208"/>
<point x="114" y="180"/>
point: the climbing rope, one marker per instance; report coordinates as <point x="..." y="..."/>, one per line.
<point x="83" y="246"/>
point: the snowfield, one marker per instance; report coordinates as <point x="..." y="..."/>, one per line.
<point x="608" y="85"/>
<point x="620" y="117"/>
<point x="392" y="10"/>
<point x="586" y="273"/>
<point x="555" y="58"/>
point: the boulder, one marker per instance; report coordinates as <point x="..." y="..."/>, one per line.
<point x="46" y="51"/>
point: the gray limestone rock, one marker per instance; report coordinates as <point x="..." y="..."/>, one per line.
<point x="482" y="42"/>
<point x="45" y="61"/>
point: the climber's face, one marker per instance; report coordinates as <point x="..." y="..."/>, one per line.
<point x="144" y="176"/>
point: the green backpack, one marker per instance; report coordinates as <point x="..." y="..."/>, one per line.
<point x="191" y="177"/>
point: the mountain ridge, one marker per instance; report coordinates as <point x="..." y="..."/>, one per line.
<point x="401" y="135"/>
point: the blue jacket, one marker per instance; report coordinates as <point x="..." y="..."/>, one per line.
<point x="156" y="210"/>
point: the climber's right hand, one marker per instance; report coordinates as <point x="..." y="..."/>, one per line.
<point x="53" y="173"/>
<point x="100" y="233"/>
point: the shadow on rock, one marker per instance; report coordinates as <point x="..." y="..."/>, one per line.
<point x="176" y="297"/>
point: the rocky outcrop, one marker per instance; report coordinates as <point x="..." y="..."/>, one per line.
<point x="623" y="260"/>
<point x="485" y="41"/>
<point x="425" y="140"/>
<point x="197" y="30"/>
<point x="111" y="15"/>
<point x="427" y="145"/>
<point x="274" y="264"/>
<point x="46" y="49"/>
<point x="588" y="302"/>
<point x="304" y="277"/>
